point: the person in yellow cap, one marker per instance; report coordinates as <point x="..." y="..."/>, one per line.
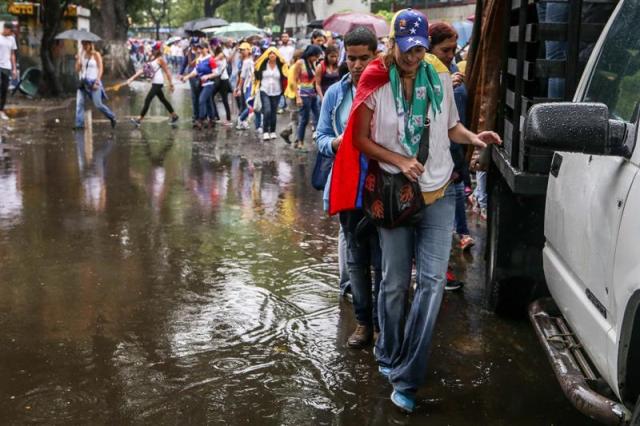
<point x="270" y="82"/>
<point x="243" y="88"/>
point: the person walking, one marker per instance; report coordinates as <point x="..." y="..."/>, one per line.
<point x="191" y="55"/>
<point x="287" y="48"/>
<point x="306" y="96"/>
<point x="222" y="86"/>
<point x="205" y="70"/>
<point x="8" y="66"/>
<point x="362" y="251"/>
<point x="90" y="68"/>
<point x="327" y="71"/>
<point x="158" y="71"/>
<point x="270" y="84"/>
<point x="399" y="97"/>
<point x="243" y="87"/>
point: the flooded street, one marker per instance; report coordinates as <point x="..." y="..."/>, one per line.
<point x="170" y="276"/>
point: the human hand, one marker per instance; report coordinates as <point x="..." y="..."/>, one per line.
<point x="335" y="144"/>
<point x="482" y="139"/>
<point x="96" y="85"/>
<point x="14" y="75"/>
<point x="299" y="102"/>
<point x="171" y="87"/>
<point x="411" y="168"/>
<point x="457" y="79"/>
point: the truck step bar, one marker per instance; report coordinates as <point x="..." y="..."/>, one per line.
<point x="570" y="365"/>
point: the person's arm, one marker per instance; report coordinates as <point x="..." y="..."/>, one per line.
<point x="409" y="166"/>
<point x="326" y="138"/>
<point x="461" y="135"/>
<point x="190" y="75"/>
<point x="318" y="80"/>
<point x="79" y="62"/>
<point x="98" y="59"/>
<point x="136" y="75"/>
<point x="166" y="72"/>
<point x="185" y="63"/>
<point x="14" y="67"/>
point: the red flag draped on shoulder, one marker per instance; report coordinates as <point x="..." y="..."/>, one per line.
<point x="350" y="165"/>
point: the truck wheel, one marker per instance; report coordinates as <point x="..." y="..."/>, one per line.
<point x="511" y="250"/>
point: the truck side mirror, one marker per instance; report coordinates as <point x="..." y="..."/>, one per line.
<point x="575" y="127"/>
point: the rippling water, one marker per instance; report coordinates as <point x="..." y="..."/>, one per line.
<point x="158" y="275"/>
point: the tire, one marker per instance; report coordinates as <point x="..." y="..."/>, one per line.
<point x="509" y="286"/>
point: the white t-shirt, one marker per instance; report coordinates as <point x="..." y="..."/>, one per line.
<point x="387" y="130"/>
<point x="287" y="52"/>
<point x="247" y="73"/>
<point x="271" y="83"/>
<point x="7" y="47"/>
<point x="158" y="75"/>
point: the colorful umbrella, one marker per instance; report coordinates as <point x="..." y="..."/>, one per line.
<point x="342" y="23"/>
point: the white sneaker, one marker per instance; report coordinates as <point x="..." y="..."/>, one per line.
<point x="3" y="116"/>
<point x="265" y="136"/>
<point x="245" y="125"/>
<point x="259" y="130"/>
<point x="273" y="136"/>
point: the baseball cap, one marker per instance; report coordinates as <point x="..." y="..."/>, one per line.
<point x="245" y="46"/>
<point x="195" y="40"/>
<point x="157" y="46"/>
<point x="409" y="29"/>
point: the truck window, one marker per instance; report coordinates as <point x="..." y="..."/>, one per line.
<point x="616" y="78"/>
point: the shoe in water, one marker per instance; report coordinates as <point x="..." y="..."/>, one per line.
<point x="113" y="123"/>
<point x="466" y="242"/>
<point x="265" y="136"/>
<point x="361" y="337"/>
<point x="3" y="115"/>
<point x="286" y="134"/>
<point x="403" y="401"/>
<point x="453" y="285"/>
<point x="136" y="122"/>
<point x="385" y="371"/>
<point x="174" y="119"/>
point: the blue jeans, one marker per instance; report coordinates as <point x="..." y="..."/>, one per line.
<point x="345" y="284"/>
<point x="245" y="113"/>
<point x="363" y="255"/>
<point x="205" y="103"/>
<point x="461" y="214"/>
<point x="309" y="106"/>
<point x="481" y="189"/>
<point x="555" y="50"/>
<point x="405" y="338"/>
<point x="194" y="83"/>
<point x="96" y="98"/>
<point x="269" y="111"/>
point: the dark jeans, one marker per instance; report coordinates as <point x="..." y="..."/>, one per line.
<point x="363" y="254"/>
<point x="269" y="112"/>
<point x="461" y="215"/>
<point x="194" y="83"/>
<point x="156" y="90"/>
<point x="309" y="106"/>
<point x="4" y="88"/>
<point x="223" y="88"/>
<point x="205" y="103"/>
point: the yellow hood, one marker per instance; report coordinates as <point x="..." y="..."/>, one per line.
<point x="437" y="63"/>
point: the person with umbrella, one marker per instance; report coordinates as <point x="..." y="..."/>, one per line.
<point x="158" y="71"/>
<point x="90" y="68"/>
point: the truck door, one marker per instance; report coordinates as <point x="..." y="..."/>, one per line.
<point x="587" y="194"/>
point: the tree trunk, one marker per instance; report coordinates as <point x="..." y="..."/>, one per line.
<point x="110" y="21"/>
<point x="52" y="12"/>
<point x="211" y="6"/>
<point x="311" y="14"/>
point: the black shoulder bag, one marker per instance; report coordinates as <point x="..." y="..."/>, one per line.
<point x="392" y="200"/>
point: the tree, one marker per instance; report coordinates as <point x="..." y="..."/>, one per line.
<point x="158" y="11"/>
<point x="51" y="14"/>
<point x="211" y="6"/>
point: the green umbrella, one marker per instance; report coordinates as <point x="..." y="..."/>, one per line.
<point x="237" y="30"/>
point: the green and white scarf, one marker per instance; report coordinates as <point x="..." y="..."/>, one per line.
<point x="427" y="88"/>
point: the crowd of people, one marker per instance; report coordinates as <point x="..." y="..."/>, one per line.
<point x="367" y="101"/>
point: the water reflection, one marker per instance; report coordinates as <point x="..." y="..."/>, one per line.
<point x="157" y="275"/>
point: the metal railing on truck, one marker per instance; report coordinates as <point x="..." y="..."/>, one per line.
<point x="526" y="71"/>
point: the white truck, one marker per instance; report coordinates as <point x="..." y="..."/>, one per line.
<point x="590" y="196"/>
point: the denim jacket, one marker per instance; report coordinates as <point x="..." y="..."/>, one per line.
<point x="329" y="125"/>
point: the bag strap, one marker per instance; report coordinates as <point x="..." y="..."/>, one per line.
<point x="423" y="149"/>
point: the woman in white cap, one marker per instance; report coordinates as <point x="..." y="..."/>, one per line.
<point x="399" y="97"/>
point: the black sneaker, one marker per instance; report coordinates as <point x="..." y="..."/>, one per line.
<point x="453" y="285"/>
<point x="285" y="134"/>
<point x="136" y="122"/>
<point x="113" y="123"/>
<point x="174" y="119"/>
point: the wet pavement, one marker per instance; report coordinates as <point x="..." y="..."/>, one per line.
<point x="171" y="276"/>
